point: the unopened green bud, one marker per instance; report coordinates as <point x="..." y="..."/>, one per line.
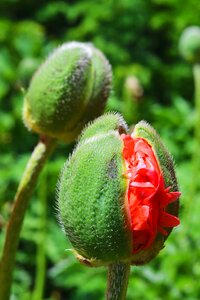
<point x="189" y="44"/>
<point x="68" y="90"/>
<point x="118" y="195"/>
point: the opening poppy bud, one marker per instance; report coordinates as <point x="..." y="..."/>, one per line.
<point x="69" y="89"/>
<point x="189" y="44"/>
<point x="118" y="194"/>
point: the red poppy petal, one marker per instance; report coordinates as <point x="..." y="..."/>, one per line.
<point x="141" y="218"/>
<point x="147" y="195"/>
<point x="142" y="184"/>
<point x="174" y="196"/>
<point x="168" y="198"/>
<point x="168" y="220"/>
<point x="162" y="230"/>
<point x="141" y="238"/>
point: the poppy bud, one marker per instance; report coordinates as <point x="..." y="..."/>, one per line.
<point x="68" y="90"/>
<point x="117" y="194"/>
<point x="189" y="44"/>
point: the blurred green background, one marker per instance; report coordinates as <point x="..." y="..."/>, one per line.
<point x="152" y="82"/>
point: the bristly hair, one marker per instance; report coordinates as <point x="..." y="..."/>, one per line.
<point x="57" y="191"/>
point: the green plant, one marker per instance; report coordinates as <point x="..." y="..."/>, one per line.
<point x="75" y="76"/>
<point x="139" y="38"/>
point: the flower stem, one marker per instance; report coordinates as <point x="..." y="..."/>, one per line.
<point x="37" y="160"/>
<point x="118" y="275"/>
<point x="196" y="154"/>
<point x="41" y="242"/>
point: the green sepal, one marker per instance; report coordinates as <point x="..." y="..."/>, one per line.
<point x="103" y="125"/>
<point x="91" y="195"/>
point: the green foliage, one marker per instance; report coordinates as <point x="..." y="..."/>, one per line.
<point x="140" y="38"/>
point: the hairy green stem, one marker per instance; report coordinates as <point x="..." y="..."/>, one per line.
<point x="130" y="106"/>
<point x="196" y="154"/>
<point x="118" y="275"/>
<point x="37" y="160"/>
<point x="196" y="72"/>
<point x="41" y="243"/>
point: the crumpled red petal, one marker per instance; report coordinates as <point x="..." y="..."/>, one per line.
<point x="148" y="197"/>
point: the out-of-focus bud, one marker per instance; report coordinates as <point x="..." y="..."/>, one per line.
<point x="189" y="44"/>
<point x="118" y="194"/>
<point x="133" y="88"/>
<point x="69" y="89"/>
<point x="132" y="95"/>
